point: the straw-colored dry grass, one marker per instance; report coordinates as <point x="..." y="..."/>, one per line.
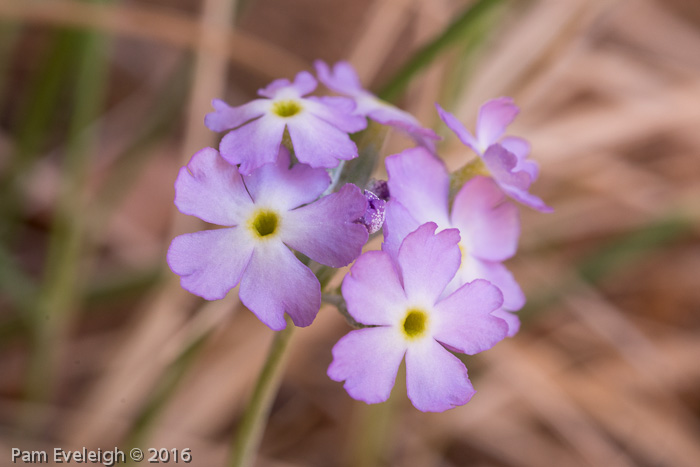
<point x="605" y="371"/>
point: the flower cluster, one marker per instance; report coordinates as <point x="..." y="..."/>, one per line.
<point x="437" y="286"/>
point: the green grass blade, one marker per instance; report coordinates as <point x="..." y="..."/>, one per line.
<point x="423" y="57"/>
<point x="60" y="290"/>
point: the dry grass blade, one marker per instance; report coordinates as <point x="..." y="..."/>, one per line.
<point x="158" y="25"/>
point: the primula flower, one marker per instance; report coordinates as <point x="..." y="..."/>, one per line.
<point x="264" y="219"/>
<point x="343" y="79"/>
<point x="403" y="301"/>
<point x="504" y="159"/>
<point x="318" y="126"/>
<point x="489" y="225"/>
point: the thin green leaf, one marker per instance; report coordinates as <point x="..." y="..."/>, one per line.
<point x="423" y="57"/>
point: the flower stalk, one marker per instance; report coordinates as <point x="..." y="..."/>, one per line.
<point x="252" y="426"/>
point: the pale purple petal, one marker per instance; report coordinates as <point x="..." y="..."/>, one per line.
<point x="342" y="79"/>
<point x="494" y="116"/>
<point x="210" y="262"/>
<point x="254" y="144"/>
<point x="367" y="360"/>
<point x="211" y="189"/>
<point x="398" y="223"/>
<point x="284" y="188"/>
<point x="436" y="380"/>
<point x="326" y="230"/>
<point x="489" y="225"/>
<point x="274" y="87"/>
<point x="521" y="149"/>
<point x="303" y="84"/>
<point x="276" y="282"/>
<point x="428" y="262"/>
<point x="420" y="182"/>
<point x="226" y="117"/>
<point x="518" y="146"/>
<point x="459" y="129"/>
<point x="393" y="116"/>
<point x="464" y="321"/>
<point x="511" y="320"/>
<point x="338" y="111"/>
<point x="498" y="275"/>
<point x="318" y="143"/>
<point x="372" y="290"/>
<point x="389" y="115"/>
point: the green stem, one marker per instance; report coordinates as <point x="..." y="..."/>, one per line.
<point x="252" y="426"/>
<point x="468" y="171"/>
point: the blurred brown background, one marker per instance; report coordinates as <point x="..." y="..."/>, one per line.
<point x="102" y="102"/>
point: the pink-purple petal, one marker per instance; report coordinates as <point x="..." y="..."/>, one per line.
<point x="254" y="144"/>
<point x="527" y="198"/>
<point x="210" y="262"/>
<point x="428" y="262"/>
<point x="326" y="231"/>
<point x="276" y="282"/>
<point x="211" y="189"/>
<point x="372" y="290"/>
<point x="398" y="223"/>
<point x="367" y="360"/>
<point x="318" y="143"/>
<point x="284" y="188"/>
<point x="420" y="182"/>
<point x="502" y="163"/>
<point x="514" y="181"/>
<point x="511" y="320"/>
<point x="521" y="149"/>
<point x="464" y="320"/>
<point x="498" y="275"/>
<point x="489" y="225"/>
<point x="494" y="116"/>
<point x="459" y="129"/>
<point x="436" y="380"/>
<point x="226" y="117"/>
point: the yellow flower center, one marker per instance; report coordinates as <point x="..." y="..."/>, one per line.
<point x="415" y="323"/>
<point x="286" y="109"/>
<point x="465" y="254"/>
<point x="264" y="223"/>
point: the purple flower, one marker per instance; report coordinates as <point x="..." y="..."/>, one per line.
<point x="317" y="126"/>
<point x="344" y="80"/>
<point x="489" y="226"/>
<point x="504" y="159"/>
<point x="403" y="300"/>
<point x="262" y="213"/>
